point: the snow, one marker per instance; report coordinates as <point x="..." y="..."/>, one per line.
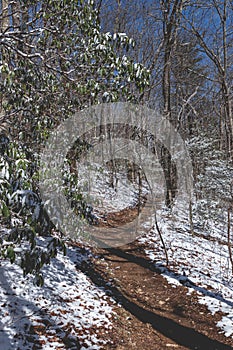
<point x="68" y="306"/>
<point x="95" y="182"/>
<point x="201" y="264"/>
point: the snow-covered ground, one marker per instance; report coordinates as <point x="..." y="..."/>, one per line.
<point x="203" y="265"/>
<point x="67" y="309"/>
<point x="200" y="262"/>
<point x="108" y="191"/>
<point x="70" y="308"/>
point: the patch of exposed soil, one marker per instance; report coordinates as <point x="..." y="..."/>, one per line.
<point x="116" y="219"/>
<point x="154" y="314"/>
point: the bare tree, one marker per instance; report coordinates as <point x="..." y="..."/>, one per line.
<point x="213" y="31"/>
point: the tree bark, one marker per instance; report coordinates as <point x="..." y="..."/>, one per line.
<point x="171" y="17"/>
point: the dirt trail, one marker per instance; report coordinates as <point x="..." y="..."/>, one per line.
<point x="154" y="315"/>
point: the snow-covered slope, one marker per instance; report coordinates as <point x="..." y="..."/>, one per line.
<point x="201" y="264"/>
<point x="67" y="312"/>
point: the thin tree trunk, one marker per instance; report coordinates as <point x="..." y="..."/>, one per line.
<point x="229" y="236"/>
<point x="172" y="12"/>
<point x="162" y="240"/>
<point x="4" y="25"/>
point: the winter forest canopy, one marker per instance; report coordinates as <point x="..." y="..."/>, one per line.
<point x="57" y="57"/>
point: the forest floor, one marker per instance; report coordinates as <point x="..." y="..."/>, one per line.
<point x="178" y="297"/>
<point x="116" y="298"/>
<point x="153" y="313"/>
<point x="131" y="297"/>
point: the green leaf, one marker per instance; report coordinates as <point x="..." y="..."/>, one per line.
<point x="10" y="254"/>
<point x="5" y="210"/>
<point x="39" y="280"/>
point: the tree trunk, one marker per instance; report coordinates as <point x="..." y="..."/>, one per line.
<point x="171" y="12"/>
